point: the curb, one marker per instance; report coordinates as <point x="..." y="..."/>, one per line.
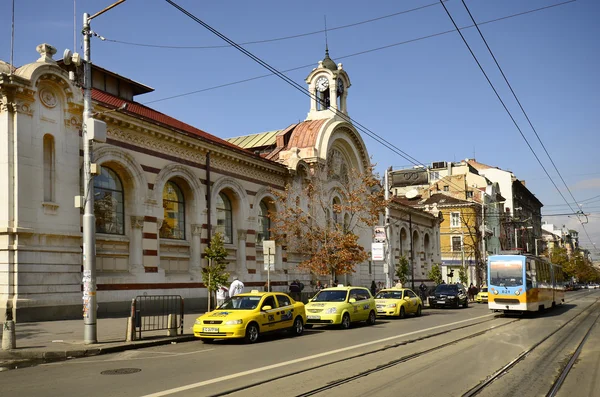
<point x="62" y="355"/>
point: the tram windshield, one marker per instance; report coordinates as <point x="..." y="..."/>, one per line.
<point x="506" y="273"/>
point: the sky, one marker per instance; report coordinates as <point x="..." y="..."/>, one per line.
<point x="414" y="81"/>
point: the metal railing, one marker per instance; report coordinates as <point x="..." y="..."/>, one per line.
<point x="157" y="312"/>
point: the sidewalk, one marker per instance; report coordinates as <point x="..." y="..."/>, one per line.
<point x="59" y="340"/>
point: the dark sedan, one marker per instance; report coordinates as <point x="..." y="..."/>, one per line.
<point x="449" y="295"/>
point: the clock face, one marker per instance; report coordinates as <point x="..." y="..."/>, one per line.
<point x="340" y="86"/>
<point x="322" y="83"/>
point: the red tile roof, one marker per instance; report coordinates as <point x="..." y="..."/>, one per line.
<point x="138" y="109"/>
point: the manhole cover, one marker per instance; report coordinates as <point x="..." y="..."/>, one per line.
<point x="121" y="371"/>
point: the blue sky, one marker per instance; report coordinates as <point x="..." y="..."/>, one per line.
<point x="428" y="97"/>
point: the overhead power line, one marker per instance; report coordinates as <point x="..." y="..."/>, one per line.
<point x="179" y="47"/>
<point x="506" y="109"/>
<point x="295" y="85"/>
<point x="347" y="56"/>
<point x="520" y="105"/>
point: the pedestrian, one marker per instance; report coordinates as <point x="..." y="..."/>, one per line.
<point x="236" y="287"/>
<point x="318" y="286"/>
<point x="398" y="284"/>
<point x="471" y="292"/>
<point x="335" y="283"/>
<point x="222" y="295"/>
<point x="423" y="289"/>
<point x="295" y="290"/>
<point x="373" y="288"/>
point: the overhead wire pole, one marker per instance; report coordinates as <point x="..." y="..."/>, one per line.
<point x="89" y="219"/>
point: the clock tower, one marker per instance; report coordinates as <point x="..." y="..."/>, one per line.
<point x="328" y="85"/>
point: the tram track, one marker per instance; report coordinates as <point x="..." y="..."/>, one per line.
<point x="390" y="364"/>
<point x="565" y="371"/>
<point x="379" y="350"/>
<point x="505" y="369"/>
<point x="401" y="360"/>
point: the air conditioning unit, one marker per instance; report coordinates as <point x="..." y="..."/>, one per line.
<point x="439" y="164"/>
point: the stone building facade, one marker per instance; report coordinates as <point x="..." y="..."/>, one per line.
<point x="164" y="187"/>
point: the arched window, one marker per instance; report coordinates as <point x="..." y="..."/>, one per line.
<point x="173" y="225"/>
<point x="264" y="224"/>
<point x="335" y="207"/>
<point x="224" y="218"/>
<point x="108" y="203"/>
<point x="48" y="168"/>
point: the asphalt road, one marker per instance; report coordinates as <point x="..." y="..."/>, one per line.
<point x="479" y="343"/>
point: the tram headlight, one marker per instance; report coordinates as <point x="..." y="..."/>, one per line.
<point x="495" y="292"/>
<point x="517" y="293"/>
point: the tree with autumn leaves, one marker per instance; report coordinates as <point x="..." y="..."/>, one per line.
<point x="319" y="216"/>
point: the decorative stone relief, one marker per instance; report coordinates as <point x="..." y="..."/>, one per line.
<point x="137" y="222"/>
<point x="196" y="230"/>
<point x="48" y="98"/>
<point x="242" y="234"/>
<point x="159" y="223"/>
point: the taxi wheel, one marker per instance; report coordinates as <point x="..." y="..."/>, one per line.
<point x="372" y="318"/>
<point x="402" y="312"/>
<point x="251" y="333"/>
<point x="298" y="327"/>
<point x="345" y="321"/>
<point x="418" y="313"/>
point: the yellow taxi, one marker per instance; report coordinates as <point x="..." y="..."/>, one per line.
<point x="249" y="315"/>
<point x="482" y="296"/>
<point x="341" y="306"/>
<point x="398" y="302"/>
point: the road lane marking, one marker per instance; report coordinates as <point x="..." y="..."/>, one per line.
<point x="302" y="359"/>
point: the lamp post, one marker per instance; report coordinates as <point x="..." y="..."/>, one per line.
<point x="89" y="219"/>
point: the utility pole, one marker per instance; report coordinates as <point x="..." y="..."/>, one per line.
<point x="412" y="255"/>
<point x="389" y="274"/>
<point x="483" y="252"/>
<point x="89" y="219"/>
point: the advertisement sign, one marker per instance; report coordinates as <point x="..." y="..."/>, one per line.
<point x="377" y="251"/>
<point x="379" y="234"/>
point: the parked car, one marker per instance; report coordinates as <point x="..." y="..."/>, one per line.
<point x="449" y="295"/>
<point x="482" y="296"/>
<point x="248" y="315"/>
<point x="341" y="306"/>
<point x="398" y="302"/>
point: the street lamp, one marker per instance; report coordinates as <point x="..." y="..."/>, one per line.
<point x="92" y="131"/>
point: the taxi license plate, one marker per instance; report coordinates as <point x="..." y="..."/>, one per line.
<point x="442" y="302"/>
<point x="313" y="317"/>
<point x="211" y="329"/>
<point x="380" y="306"/>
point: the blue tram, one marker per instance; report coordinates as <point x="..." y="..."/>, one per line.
<point x="524" y="283"/>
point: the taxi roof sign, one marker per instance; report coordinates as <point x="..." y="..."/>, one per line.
<point x="254" y="291"/>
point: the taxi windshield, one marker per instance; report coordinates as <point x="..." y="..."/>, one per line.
<point x="241" y="303"/>
<point x="330" y="296"/>
<point x="389" y="295"/>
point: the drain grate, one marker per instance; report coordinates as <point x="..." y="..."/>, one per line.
<point x="121" y="371"/>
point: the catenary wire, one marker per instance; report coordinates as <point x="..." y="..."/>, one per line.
<point x="528" y="120"/>
<point x="519" y="103"/>
<point x="295" y="85"/>
<point x="175" y="47"/>
<point x="299" y="88"/>
<point x="352" y="55"/>
<point x="278" y="38"/>
<point x="505" y="107"/>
